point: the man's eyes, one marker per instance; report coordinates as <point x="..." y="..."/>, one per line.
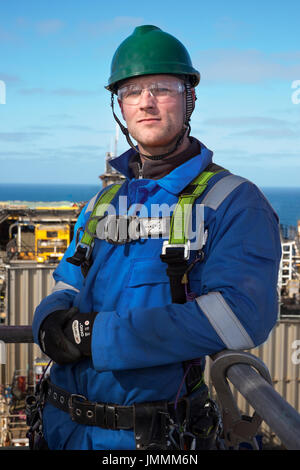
<point x="131" y="92"/>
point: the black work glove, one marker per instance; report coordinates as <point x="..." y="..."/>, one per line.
<point x="53" y="340"/>
<point x="78" y="331"/>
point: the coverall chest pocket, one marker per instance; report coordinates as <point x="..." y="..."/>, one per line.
<point x="147" y="285"/>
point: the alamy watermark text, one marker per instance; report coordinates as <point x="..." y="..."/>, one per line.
<point x="296" y="93"/>
<point x="296" y="353"/>
<point x="2" y="92"/>
<point x="2" y="352"/>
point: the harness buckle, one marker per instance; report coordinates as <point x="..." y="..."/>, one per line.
<point x="82" y="253"/>
<point x="185" y="246"/>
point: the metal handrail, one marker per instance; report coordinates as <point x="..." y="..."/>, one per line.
<point x="256" y="386"/>
<point x="239" y="367"/>
<point x="282" y="418"/>
<point x="16" y="334"/>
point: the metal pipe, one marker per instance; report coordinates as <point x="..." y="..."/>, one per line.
<point x="16" y="334"/>
<point x="282" y="418"/>
<point x="19" y="241"/>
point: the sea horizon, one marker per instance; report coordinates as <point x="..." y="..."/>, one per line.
<point x="284" y="200"/>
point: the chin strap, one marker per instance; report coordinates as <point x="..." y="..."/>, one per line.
<point x="186" y="126"/>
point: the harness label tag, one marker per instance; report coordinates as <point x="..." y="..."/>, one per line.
<point x="127" y="228"/>
<point x="154" y="227"/>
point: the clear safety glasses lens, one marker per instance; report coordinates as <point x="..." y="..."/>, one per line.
<point x="162" y="91"/>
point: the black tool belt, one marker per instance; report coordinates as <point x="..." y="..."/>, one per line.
<point x="112" y="416"/>
<point x="105" y="415"/>
<point x="191" y="423"/>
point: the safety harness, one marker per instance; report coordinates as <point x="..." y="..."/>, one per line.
<point x="190" y="420"/>
<point x="175" y="250"/>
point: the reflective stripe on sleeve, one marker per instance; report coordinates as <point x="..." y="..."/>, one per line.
<point x="224" y="321"/>
<point x="60" y="285"/>
<point x="219" y="192"/>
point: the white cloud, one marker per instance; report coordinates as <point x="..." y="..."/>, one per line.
<point x="7" y="36"/>
<point x="118" y="23"/>
<point x="7" y="78"/>
<point x="50" y="26"/>
<point x="245" y="121"/>
<point x="58" y="91"/>
<point x="267" y="133"/>
<point x="73" y="92"/>
<point x="32" y="91"/>
<point x="60" y="116"/>
<point x="246" y="66"/>
<point x="228" y="28"/>
<point x="20" y="136"/>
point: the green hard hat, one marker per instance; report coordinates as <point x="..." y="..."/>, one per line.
<point x="149" y="50"/>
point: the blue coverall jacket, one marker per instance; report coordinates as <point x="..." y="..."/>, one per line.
<point x="140" y="338"/>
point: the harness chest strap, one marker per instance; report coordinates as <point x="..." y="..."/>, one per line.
<point x="84" y="247"/>
<point x="183" y="209"/>
<point x="179" y="221"/>
<point x="176" y="250"/>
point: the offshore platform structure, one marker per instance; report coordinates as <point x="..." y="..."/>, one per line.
<point x="289" y="271"/>
<point x="41" y="233"/>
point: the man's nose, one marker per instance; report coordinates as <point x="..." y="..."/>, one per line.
<point x="147" y="99"/>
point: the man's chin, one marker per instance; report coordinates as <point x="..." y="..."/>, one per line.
<point x="155" y="144"/>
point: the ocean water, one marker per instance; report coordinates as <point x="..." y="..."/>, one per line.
<point x="48" y="192"/>
<point x="285" y="201"/>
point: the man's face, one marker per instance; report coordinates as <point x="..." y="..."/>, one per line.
<point x="150" y="122"/>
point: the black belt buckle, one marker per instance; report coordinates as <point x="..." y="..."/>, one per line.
<point x="75" y="412"/>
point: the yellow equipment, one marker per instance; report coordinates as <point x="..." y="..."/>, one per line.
<point x="51" y="241"/>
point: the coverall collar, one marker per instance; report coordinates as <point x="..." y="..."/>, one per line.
<point x="176" y="180"/>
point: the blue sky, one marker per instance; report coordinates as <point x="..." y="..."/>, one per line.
<point x="56" y="125"/>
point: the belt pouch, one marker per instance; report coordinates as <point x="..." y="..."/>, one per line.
<point x="150" y="425"/>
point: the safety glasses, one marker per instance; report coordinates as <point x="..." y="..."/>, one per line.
<point x="162" y="91"/>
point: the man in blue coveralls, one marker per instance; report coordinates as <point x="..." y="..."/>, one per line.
<point x="132" y="317"/>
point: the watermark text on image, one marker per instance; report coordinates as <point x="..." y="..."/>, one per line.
<point x="149" y="460"/>
<point x="140" y="221"/>
<point x="296" y="353"/>
<point x="2" y="352"/>
<point x="296" y="93"/>
<point x="2" y="92"/>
